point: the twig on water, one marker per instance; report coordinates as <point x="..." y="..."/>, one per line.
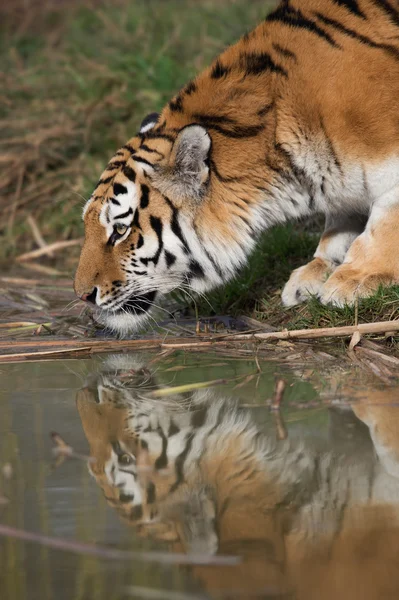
<point x="281" y="431"/>
<point x="278" y="394"/>
<point x="62" y="450"/>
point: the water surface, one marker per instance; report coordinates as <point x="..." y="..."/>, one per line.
<point x="306" y="497"/>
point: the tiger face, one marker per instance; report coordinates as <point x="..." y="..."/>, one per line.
<point x="137" y="449"/>
<point x="140" y="227"/>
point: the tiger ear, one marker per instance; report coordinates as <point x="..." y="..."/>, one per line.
<point x="185" y="176"/>
<point x="149" y="122"/>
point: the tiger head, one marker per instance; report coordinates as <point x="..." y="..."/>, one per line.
<point x="177" y="206"/>
<point x="142" y="226"/>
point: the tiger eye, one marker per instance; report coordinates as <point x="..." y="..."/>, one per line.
<point x="121" y="229"/>
<point x="124" y="459"/>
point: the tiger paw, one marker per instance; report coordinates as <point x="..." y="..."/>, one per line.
<point x="306" y="281"/>
<point x="346" y="284"/>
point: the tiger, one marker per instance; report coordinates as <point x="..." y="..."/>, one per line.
<point x="298" y="118"/>
<point x="309" y="518"/>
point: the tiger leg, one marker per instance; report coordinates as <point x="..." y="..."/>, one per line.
<point x="308" y="280"/>
<point x="372" y="260"/>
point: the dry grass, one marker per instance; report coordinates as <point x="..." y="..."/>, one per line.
<point x="77" y="77"/>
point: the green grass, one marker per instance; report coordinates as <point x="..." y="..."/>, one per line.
<point x="383" y="306"/>
<point x="78" y="81"/>
<point x="279" y="251"/>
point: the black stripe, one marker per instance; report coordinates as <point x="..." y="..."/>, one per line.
<point x="256" y="63"/>
<point x="386" y="6"/>
<point x="140" y="272"/>
<point x="284" y="52"/>
<point x="190" y="88"/>
<point x="175" y="226"/>
<point x="214" y="119"/>
<point x="357" y="36"/>
<point x="150" y="150"/>
<point x="144" y="200"/>
<point x="331" y="148"/>
<point x="125" y="498"/>
<point x="170" y="259"/>
<point x="352" y="6"/>
<point x="173" y="428"/>
<point x="129" y="148"/>
<point x="151" y="493"/>
<point x="136" y="222"/>
<point x="198" y="417"/>
<point x="176" y="105"/>
<point x="111" y="166"/>
<point x="129" y="173"/>
<point x="106" y="180"/>
<point x="219" y="70"/>
<point x="136" y="514"/>
<point x="266" y="109"/>
<point x="119" y="189"/>
<point x="115" y="201"/>
<point x="162" y="460"/>
<point x="221" y="177"/>
<point x="236" y="131"/>
<point x="141" y="160"/>
<point x="125" y="214"/>
<point x="140" y="241"/>
<point x="218" y="270"/>
<point x="195" y="271"/>
<point x="157" y="226"/>
<point x="179" y="463"/>
<point x="153" y="135"/>
<point x="287" y="15"/>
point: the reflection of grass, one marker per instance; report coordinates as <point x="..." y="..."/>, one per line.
<point x="78" y="80"/>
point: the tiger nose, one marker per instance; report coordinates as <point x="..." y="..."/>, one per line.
<point x="89" y="296"/>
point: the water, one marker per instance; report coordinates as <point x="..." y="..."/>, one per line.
<point x="306" y="498"/>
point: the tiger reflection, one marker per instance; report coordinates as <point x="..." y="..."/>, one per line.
<point x="196" y="471"/>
